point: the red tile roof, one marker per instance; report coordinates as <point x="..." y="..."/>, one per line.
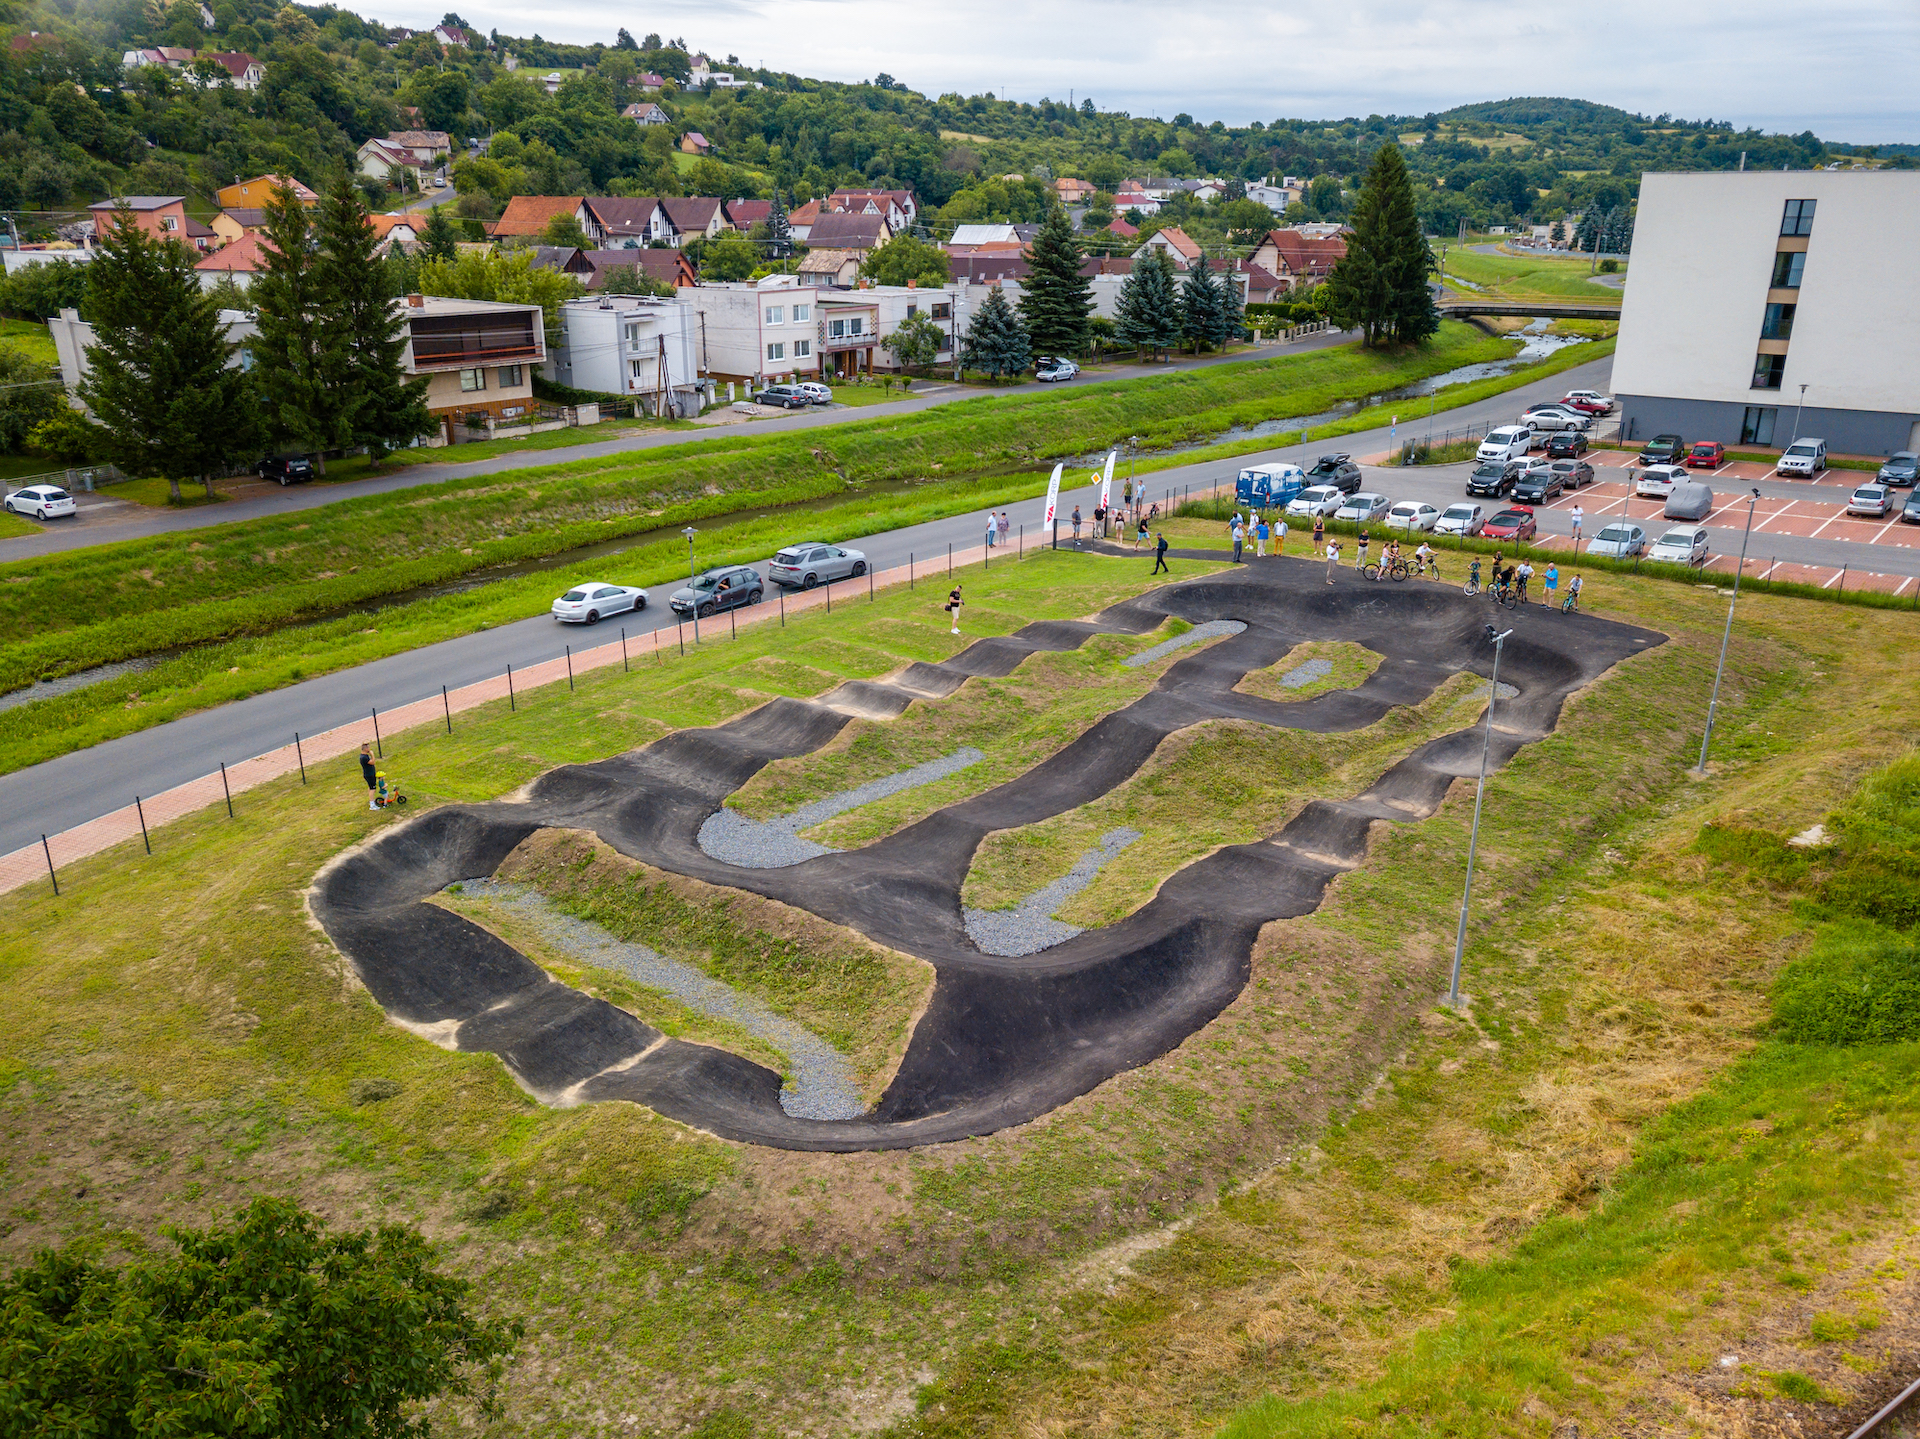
<point x="245" y="256"/>
<point x="530" y="214"/>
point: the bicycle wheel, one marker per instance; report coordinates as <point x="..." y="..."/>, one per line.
<point x="1371" y="571"/>
<point x="1471" y="587"/>
<point x="1399" y="572"/>
<point x="1508" y="599"/>
<point x="1566" y="605"/>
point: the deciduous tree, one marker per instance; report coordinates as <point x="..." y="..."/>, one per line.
<point x="904" y="258"/>
<point x="915" y="343"/>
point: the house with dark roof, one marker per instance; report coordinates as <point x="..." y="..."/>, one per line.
<point x="243" y="71"/>
<point x="645" y="113"/>
<point x="835" y="230"/>
<point x="694" y="215"/>
<point x="694" y="143"/>
<point x="990" y="267"/>
<point x="529" y="215"/>
<point x="430" y="147"/>
<point x="670" y="266"/>
<point x="800" y="219"/>
<point x="897" y="207"/>
<point x="830" y="268"/>
<point x="230" y="225"/>
<point x="743" y="215"/>
<point x="612" y="221"/>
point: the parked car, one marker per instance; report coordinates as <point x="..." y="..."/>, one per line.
<point x="1319" y="500"/>
<point x="1056" y="362"/>
<point x="1620" y="540"/>
<point x="1900" y="470"/>
<point x="1656" y="482"/>
<point x="1545" y="419"/>
<point x="786" y="397"/>
<point x="287" y="469"/>
<point x="1365" y="506"/>
<point x="1592" y="397"/>
<point x="593" y="601"/>
<point x="725" y="588"/>
<point x="1048" y="374"/>
<point x="1264" y="486"/>
<point x="815" y="391"/>
<point x="1689" y="500"/>
<point x="1874" y="500"/>
<point x="1538" y="487"/>
<point x="1566" y="445"/>
<point x="1509" y="442"/>
<point x="1411" y="515"/>
<point x="1910" y="512"/>
<point x="1706" y="455"/>
<point x="1664" y="450"/>
<point x="1514" y="524"/>
<point x="1573" y="473"/>
<point x="1460" y="520"/>
<point x="1493" y="477"/>
<point x="1338" y="470"/>
<point x="1681" y="545"/>
<point x="801" y="567"/>
<point x="47" y="502"/>
<point x="1803" y="457"/>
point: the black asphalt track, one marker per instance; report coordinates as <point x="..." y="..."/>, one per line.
<point x="1002" y="1041"/>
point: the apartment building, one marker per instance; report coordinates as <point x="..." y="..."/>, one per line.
<point x="637" y="345"/>
<point x="755" y="332"/>
<point x="1763" y="305"/>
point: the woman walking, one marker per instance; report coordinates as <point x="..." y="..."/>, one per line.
<point x="953" y="607"/>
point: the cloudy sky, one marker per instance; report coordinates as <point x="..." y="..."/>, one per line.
<point x="1847" y="69"/>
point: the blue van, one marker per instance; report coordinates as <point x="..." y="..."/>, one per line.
<point x="1266" y="487"/>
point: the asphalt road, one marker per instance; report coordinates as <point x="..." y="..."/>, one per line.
<point x="74" y="788"/>
<point x="99" y="524"/>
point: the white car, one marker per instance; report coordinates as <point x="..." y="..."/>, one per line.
<point x="1803" y="457"/>
<point x="1509" y="442"/>
<point x="1621" y="541"/>
<point x="815" y="391"/>
<point x="592" y="602"/>
<point x="1656" y="482"/>
<point x="1682" y="545"/>
<point x="1364" y="506"/>
<point x="1535" y="467"/>
<point x="1592" y="397"/>
<point x="1411" y="515"/>
<point x="1321" y="500"/>
<point x="1460" y="520"/>
<point x="48" y="502"/>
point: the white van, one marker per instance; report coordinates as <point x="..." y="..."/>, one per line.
<point x="1509" y="442"/>
<point x="1803" y="457"/>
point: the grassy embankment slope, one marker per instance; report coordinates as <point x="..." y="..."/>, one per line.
<point x="1336" y="1192"/>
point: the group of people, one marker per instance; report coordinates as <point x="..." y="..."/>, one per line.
<point x="1256" y="527"/>
<point x="998" y="526"/>
<point x="1515" y="575"/>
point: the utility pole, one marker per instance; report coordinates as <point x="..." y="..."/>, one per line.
<point x="1725" y="635"/>
<point x="1473" y="842"/>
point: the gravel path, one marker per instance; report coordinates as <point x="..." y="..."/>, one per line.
<point x="1029" y="926"/>
<point x="1305" y="673"/>
<point x="1199" y="634"/>
<point x="822" y="1084"/>
<point x="732" y="838"/>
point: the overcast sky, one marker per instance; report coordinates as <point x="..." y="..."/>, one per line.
<point x="1847" y="69"/>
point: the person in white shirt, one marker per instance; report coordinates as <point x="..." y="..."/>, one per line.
<point x="1576" y="514"/>
<point x="1333" y="558"/>
<point x="1426" y="558"/>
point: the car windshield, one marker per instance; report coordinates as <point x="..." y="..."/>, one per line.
<point x="1615" y="533"/>
<point x="1564" y="467"/>
<point x="1459" y="512"/>
<point x="574" y="595"/>
<point x="1800" y="450"/>
<point x="56" y="494"/>
<point x="705" y="582"/>
<point x="1508" y="517"/>
<point x="1320" y="492"/>
<point x="1489" y="472"/>
<point x="787" y="557"/>
<point x="1703" y="449"/>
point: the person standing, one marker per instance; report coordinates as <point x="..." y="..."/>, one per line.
<point x="1260" y="532"/>
<point x="1076" y="524"/>
<point x="993" y="528"/>
<point x="1553" y="583"/>
<point x="1577" y="515"/>
<point x="953" y="607"/>
<point x="370" y="775"/>
<point x="1239" y="538"/>
<point x="1160" y="556"/>
<point x="1522" y="575"/>
<point x="1360" y="560"/>
<point x="1006" y="527"/>
<point x="1333" y="559"/>
<point x="1280" y="533"/>
<point x="1319" y="530"/>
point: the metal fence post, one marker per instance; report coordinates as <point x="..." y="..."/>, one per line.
<point x="137" y="809"/>
<point x="447" y="708"/>
<point x="828" y="587"/>
<point x="300" y="755"/>
<point x="512" y="704"/>
<point x="869" y="584"/>
<point x="783" y="608"/>
<point x="909" y="569"/>
<point x="48" y="849"/>
<point x="227" y="787"/>
<point x="625" y="668"/>
<point x="378" y="750"/>
<point x="949" y="559"/>
<point x="680" y="628"/>
<point x="733" y="624"/>
<point x="569" y="668"/>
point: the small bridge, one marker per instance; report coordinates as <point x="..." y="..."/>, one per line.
<point x="1461" y="309"/>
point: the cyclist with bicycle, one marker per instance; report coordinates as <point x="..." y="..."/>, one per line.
<point x="1427" y="559"/>
<point x="1572" y="601"/>
<point x="1525" y="573"/>
<point x="1473" y="577"/>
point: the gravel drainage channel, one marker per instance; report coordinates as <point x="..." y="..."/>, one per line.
<point x="1199" y="634"/>
<point x="1029" y="926"/>
<point x="822" y="1084"/>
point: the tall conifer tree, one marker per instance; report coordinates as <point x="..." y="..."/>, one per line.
<point x="440" y="240"/>
<point x="996" y="339"/>
<point x="1380" y="287"/>
<point x="1203" y="310"/>
<point x="1057" y="300"/>
<point x="294" y="357"/>
<point x="1148" y="314"/>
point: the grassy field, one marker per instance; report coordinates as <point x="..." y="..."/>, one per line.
<point x="1336" y="1208"/>
<point x="1528" y="277"/>
<point x="31" y="338"/>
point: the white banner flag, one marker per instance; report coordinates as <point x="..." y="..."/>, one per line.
<point x="1106" y="482"/>
<point x="1053" y="500"/>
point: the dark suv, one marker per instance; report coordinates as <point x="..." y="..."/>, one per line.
<point x="287" y="469"/>
<point x="1538" y="487"/>
<point x="1664" y="450"/>
<point x="1337" y="470"/>
<point x="725" y="588"/>
<point x="1494" y="477"/>
<point x="790" y="397"/>
<point x="1566" y="445"/>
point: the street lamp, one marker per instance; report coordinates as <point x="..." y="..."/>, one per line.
<point x="1797" y="409"/>
<point x="690" y="532"/>
<point x="1725" y="635"/>
<point x="1499" y="639"/>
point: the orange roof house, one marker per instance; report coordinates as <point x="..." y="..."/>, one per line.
<point x="531" y="214"/>
<point x="253" y="194"/>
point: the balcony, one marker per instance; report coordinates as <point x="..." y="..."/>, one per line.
<point x="449" y="342"/>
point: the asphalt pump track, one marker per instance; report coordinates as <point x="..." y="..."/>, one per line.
<point x="1002" y="1040"/>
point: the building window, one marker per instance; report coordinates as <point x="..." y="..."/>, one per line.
<point x="509" y="376"/>
<point x="802" y="349"/>
<point x="1798" y="219"/>
<point x="1778" y="324"/>
<point x="471" y="380"/>
<point x="167" y="222"/>
<point x="853" y="325"/>
<point x="1756" y="427"/>
<point x="836" y="329"/>
<point x="942" y="312"/>
<point x="1787" y="266"/>
<point x="776" y="351"/>
<point x="912" y="310"/>
<point x="802" y="313"/>
<point x="1768" y="371"/>
<point x="638" y="368"/>
<point x="776" y="314"/>
<point x="633" y="337"/>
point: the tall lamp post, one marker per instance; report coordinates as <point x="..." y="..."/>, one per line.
<point x="1499" y="639"/>
<point x="690" y="532"/>
<point x="1725" y="635"/>
<point x="1797" y="410"/>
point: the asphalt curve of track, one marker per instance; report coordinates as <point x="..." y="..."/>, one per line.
<point x="1002" y="1041"/>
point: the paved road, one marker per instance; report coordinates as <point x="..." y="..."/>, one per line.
<point x="104" y="523"/>
<point x="78" y="787"/>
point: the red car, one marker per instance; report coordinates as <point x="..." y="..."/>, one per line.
<point x="1514" y="524"/>
<point x="1707" y="455"/>
<point x="1584" y="405"/>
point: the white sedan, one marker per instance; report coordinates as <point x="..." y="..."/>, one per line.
<point x="1620" y="541"/>
<point x="46" y="501"/>
<point x="1321" y="500"/>
<point x="1682" y="545"/>
<point x="1412" y="515"/>
<point x="590" y="603"/>
<point x="1461" y="520"/>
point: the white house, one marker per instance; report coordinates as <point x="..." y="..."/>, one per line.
<point x="638" y="345"/>
<point x="380" y="157"/>
<point x="755" y="332"/>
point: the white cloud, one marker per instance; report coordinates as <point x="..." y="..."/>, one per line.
<point x="1844" y="70"/>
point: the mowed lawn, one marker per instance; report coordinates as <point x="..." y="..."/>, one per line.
<point x="1529" y="277"/>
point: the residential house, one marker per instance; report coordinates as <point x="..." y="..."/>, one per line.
<point x="430" y="148"/>
<point x="971" y="239"/>
<point x="230" y="225"/>
<point x="1263" y="286"/>
<point x="649" y="83"/>
<point x="756" y="332"/>
<point x="800" y="220"/>
<point x="638" y="345"/>
<point x="60" y="252"/>
<point x="1131" y="197"/>
<point x="162" y="215"/>
<point x="1207" y="191"/>
<point x="563" y="259"/>
<point x="1157" y="187"/>
<point x="1322" y="229"/>
<point x="743" y="215"/>
<point x="530" y="215"/>
<point x="381" y="159"/>
<point x="1073" y="191"/>
<point x="253" y="194"/>
<point x="897" y="207"/>
<point x="243" y="71"/>
<point x="614" y="221"/>
<point x="694" y="215"/>
<point x="694" y="143"/>
<point x="829" y="268"/>
<point x="167" y="57"/>
<point x="837" y="231"/>
<point x="699" y="71"/>
<point x="239" y="262"/>
<point x="452" y="37"/>
<point x="1275" y="197"/>
<point x="401" y="230"/>
<point x="1297" y="258"/>
<point x="990" y="267"/>
<point x="1175" y="243"/>
<point x="669" y="266"/>
<point x="645" y="113"/>
<point x="1121" y="229"/>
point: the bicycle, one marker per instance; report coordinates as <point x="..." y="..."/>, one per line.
<point x="1506" y="597"/>
<point x="1396" y="571"/>
<point x="1570" y="604"/>
<point x="1472" y="586"/>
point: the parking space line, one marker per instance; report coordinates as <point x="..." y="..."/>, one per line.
<point x="1892" y="520"/>
<point x="1903" y="584"/>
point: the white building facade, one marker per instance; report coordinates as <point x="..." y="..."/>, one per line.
<point x="637" y="345"/>
<point x="758" y="333"/>
<point x="1768" y="304"/>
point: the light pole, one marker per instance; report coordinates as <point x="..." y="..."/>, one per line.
<point x="1499" y="639"/>
<point x="690" y="532"/>
<point x="1797" y="409"/>
<point x="1725" y="635"/>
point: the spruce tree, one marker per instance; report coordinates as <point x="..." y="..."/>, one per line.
<point x="158" y="379"/>
<point x="294" y="357"/>
<point x="367" y="387"/>
<point x="1233" y="314"/>
<point x="996" y="339"/>
<point x="1203" y="312"/>
<point x="1148" y="315"/>
<point x="1057" y="301"/>
<point x="438" y="238"/>
<point x="1380" y="287"/>
<point x="779" y="230"/>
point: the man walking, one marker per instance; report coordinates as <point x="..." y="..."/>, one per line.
<point x="1076" y="524"/>
<point x="1577" y="515"/>
<point x="1239" y="538"/>
<point x="1160" y="556"/>
<point x="370" y="775"/>
<point x="993" y="528"/>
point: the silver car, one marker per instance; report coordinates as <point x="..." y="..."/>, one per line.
<point x="1321" y="500"/>
<point x="1621" y="541"/>
<point x="1365" y="506"/>
<point x="590" y="603"/>
<point x="815" y="391"/>
<point x="1682" y="545"/>
<point x="1461" y="520"/>
<point x="1411" y="515"/>
<point x="801" y="567"/>
<point x="1874" y="500"/>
